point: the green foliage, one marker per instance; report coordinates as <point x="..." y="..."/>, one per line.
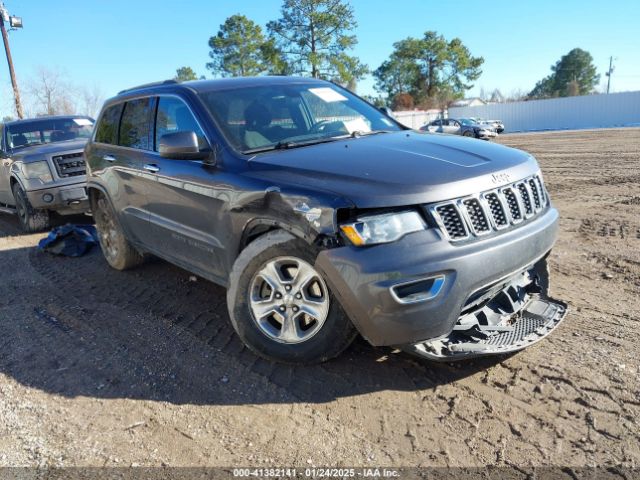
<point x="573" y="74"/>
<point x="314" y="36"/>
<point x="241" y="49"/>
<point x="185" y="74"/>
<point x="377" y="101"/>
<point x="430" y="69"/>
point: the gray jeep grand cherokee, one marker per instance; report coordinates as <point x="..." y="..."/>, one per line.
<point x="325" y="218"/>
<point x="43" y="168"/>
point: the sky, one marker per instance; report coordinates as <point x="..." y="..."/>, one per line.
<point x="115" y="44"/>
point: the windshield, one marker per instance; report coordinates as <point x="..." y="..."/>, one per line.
<point x="262" y="118"/>
<point x="51" y="130"/>
<point x="467" y="121"/>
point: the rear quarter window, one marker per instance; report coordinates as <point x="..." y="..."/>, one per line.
<point x="107" y="129"/>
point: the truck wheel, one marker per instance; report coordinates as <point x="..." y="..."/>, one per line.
<point x="117" y="250"/>
<point x="31" y="219"/>
<point x="281" y="306"/>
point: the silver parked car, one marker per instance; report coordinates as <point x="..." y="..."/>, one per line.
<point x="460" y="126"/>
<point x="498" y="125"/>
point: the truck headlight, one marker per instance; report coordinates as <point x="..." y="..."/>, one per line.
<point x="383" y="228"/>
<point x="39" y="170"/>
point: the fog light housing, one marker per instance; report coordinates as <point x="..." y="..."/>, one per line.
<point x="47" y="198"/>
<point x="417" y="291"/>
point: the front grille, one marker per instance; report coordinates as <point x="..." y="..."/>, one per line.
<point x="490" y="211"/>
<point x="70" y="165"/>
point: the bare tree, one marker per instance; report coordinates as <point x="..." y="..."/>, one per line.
<point x="51" y="93"/>
<point x="90" y="100"/>
<point x="516" y="95"/>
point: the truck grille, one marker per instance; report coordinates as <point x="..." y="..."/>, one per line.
<point x="70" y="165"/>
<point x="490" y="211"/>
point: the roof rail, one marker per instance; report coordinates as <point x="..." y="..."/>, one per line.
<point x="146" y="85"/>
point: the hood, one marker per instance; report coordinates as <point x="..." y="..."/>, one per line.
<point x="400" y="168"/>
<point x="37" y="152"/>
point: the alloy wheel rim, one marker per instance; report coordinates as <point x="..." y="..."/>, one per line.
<point x="289" y="300"/>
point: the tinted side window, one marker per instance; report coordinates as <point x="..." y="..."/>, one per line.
<point x="135" y="124"/>
<point x="107" y="130"/>
<point x="174" y="116"/>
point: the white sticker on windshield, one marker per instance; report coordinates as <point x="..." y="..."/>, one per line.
<point x="83" y="122"/>
<point x="328" y="94"/>
<point x="356" y="125"/>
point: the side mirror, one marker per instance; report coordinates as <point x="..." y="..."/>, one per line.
<point x="181" y="146"/>
<point x="387" y="111"/>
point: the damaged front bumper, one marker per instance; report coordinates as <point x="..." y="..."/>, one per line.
<point x="503" y="318"/>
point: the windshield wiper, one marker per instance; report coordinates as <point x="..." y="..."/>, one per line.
<point x="285" y="145"/>
<point x="360" y="133"/>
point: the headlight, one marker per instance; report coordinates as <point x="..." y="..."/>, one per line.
<point x="39" y="170"/>
<point x="382" y="228"/>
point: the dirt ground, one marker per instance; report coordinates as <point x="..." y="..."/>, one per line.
<point x="99" y="367"/>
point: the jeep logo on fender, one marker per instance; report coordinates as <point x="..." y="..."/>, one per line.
<point x="500" y="178"/>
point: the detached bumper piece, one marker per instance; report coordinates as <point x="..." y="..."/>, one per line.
<point x="518" y="316"/>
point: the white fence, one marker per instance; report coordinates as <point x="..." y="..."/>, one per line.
<point x="590" y="111"/>
<point x="414" y="118"/>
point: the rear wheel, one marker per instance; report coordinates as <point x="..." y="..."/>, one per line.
<point x="31" y="219"/>
<point x="117" y="250"/>
<point x="281" y="306"/>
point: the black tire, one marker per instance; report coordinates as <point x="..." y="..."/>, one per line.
<point x="468" y="134"/>
<point x="117" y="250"/>
<point x="31" y="219"/>
<point x="332" y="337"/>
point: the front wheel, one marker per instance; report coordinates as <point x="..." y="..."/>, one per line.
<point x="467" y="134"/>
<point x="31" y="219"/>
<point x="281" y="306"/>
<point x="117" y="250"/>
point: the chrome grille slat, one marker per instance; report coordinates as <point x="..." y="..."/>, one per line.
<point x="522" y="189"/>
<point x="451" y="221"/>
<point x="498" y="209"/>
<point x="533" y="188"/>
<point x="475" y="215"/>
<point x="490" y="211"/>
<point x="514" y="203"/>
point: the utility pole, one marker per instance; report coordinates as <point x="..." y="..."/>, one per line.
<point x="14" y="22"/>
<point x="608" y="74"/>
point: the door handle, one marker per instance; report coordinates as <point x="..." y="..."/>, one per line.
<point x="150" y="167"/>
<point x="109" y="158"/>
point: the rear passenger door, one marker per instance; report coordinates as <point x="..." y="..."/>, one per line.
<point x="121" y="150"/>
<point x="186" y="198"/>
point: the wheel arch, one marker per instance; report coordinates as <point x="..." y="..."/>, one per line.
<point x="257" y="227"/>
